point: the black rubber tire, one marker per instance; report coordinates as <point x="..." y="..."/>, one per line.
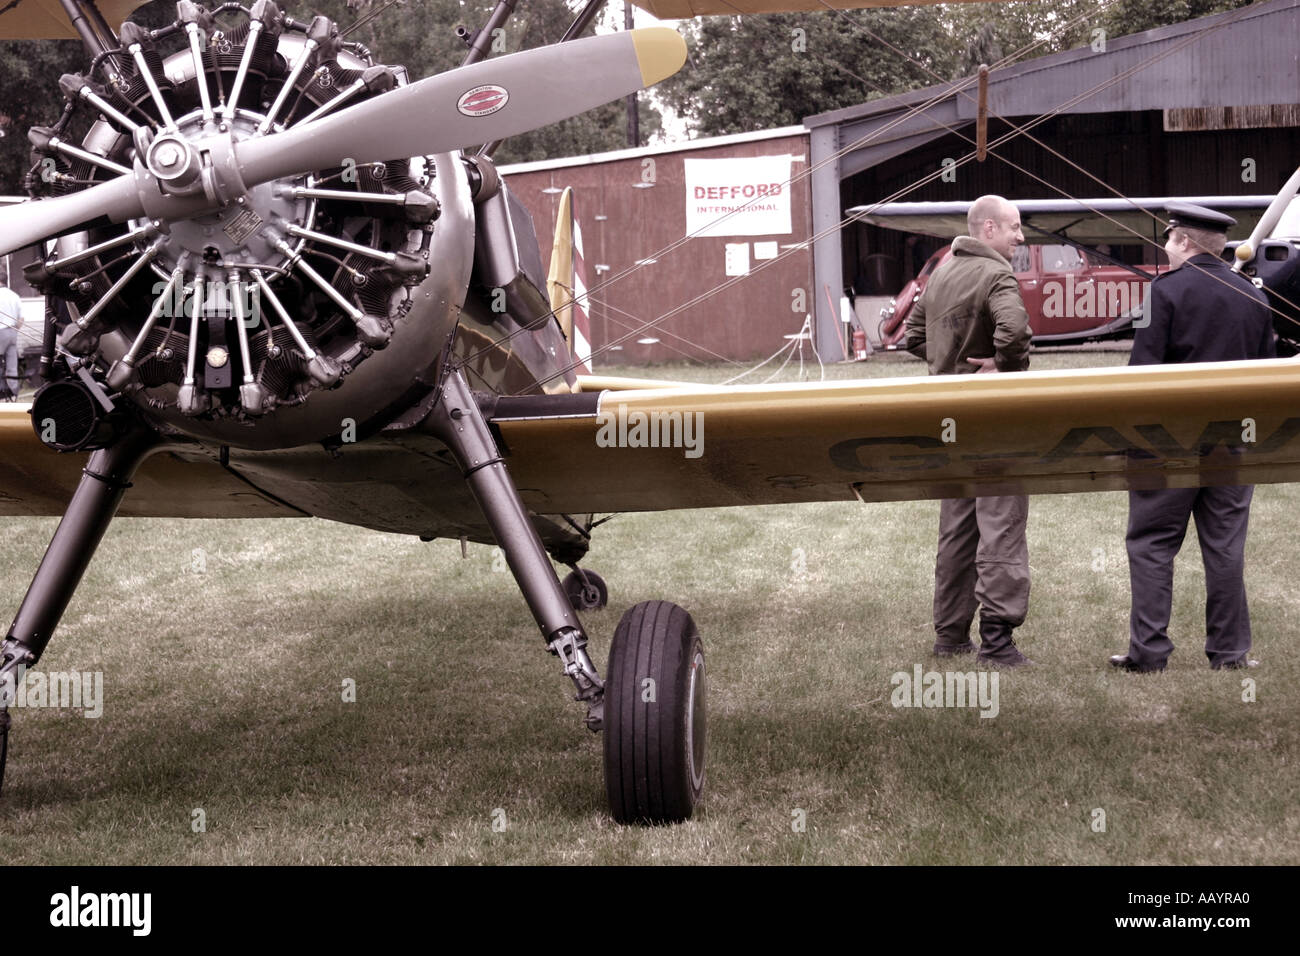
<point x="591" y="595"/>
<point x="654" y="748"/>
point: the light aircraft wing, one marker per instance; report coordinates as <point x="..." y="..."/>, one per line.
<point x="45" y="19"/>
<point x="679" y="9"/>
<point x="879" y="440"/>
<point x="914" y="438"/>
<point x="1089" y="221"/>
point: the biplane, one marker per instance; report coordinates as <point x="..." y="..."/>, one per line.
<point x="288" y="289"/>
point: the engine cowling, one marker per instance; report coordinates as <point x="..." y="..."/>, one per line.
<point x="298" y="310"/>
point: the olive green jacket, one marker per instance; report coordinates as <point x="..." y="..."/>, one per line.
<point x="971" y="308"/>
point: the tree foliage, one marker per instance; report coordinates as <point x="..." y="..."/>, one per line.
<point x="757" y="72"/>
<point x="29" y="96"/>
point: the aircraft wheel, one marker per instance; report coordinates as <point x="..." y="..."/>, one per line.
<point x="590" y="594"/>
<point x="654" y="716"/>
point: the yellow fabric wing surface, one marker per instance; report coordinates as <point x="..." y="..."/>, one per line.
<point x="901" y="439"/>
<point x="679" y="9"/>
<point x="653" y="448"/>
<point x="45" y="19"/>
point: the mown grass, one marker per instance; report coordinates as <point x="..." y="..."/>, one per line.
<point x="223" y="692"/>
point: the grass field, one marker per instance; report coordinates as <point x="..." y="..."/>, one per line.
<point x="225" y="647"/>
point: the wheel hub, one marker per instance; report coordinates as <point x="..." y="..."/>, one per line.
<point x="244" y="232"/>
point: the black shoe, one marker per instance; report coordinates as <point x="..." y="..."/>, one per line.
<point x="952" y="650"/>
<point x="997" y="649"/>
<point x="1126" y="663"/>
<point x="1239" y="664"/>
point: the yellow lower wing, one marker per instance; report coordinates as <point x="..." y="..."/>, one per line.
<point x="646" y="447"/>
<point x="889" y="440"/>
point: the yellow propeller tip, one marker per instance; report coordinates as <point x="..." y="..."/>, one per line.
<point x="1244" y="252"/>
<point x="660" y="52"/>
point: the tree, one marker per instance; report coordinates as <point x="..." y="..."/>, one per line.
<point x="29" y="96"/>
<point x="758" y="72"/>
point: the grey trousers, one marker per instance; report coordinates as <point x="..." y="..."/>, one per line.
<point x="9" y="352"/>
<point x="983" y="561"/>
<point x="1157" y="523"/>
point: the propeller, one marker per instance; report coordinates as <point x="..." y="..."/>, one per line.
<point x="485" y="101"/>
<point x="1267" y="222"/>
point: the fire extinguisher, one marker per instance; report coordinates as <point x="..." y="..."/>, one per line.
<point x="860" y="348"/>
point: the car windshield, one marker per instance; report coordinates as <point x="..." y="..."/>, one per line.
<point x="1062" y="259"/>
<point x="932" y="262"/>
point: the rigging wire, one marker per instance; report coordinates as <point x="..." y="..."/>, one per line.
<point x="916" y="110"/>
<point x="957" y="86"/>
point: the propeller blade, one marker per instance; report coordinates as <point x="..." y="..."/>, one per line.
<point x="25" y="223"/>
<point x="486" y="101"/>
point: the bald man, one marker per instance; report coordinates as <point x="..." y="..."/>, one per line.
<point x="971" y="319"/>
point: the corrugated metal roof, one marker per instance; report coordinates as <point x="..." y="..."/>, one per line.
<point x="1244" y="56"/>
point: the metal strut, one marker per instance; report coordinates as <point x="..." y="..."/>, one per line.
<point x="458" y="421"/>
<point x="104" y="481"/>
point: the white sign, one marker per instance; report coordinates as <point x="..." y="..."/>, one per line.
<point x="737" y="258"/>
<point x="743" y="196"/>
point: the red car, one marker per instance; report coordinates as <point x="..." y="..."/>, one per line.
<point x="1070" y="295"/>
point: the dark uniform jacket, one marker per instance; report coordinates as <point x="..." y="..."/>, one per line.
<point x="971" y="308"/>
<point x="1204" y="312"/>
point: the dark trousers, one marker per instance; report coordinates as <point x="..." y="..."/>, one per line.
<point x="1157" y="523"/>
<point x="983" y="560"/>
<point x="9" y="352"/>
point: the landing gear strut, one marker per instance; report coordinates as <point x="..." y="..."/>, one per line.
<point x="459" y="422"/>
<point x="103" y="482"/>
<point x="652" y="708"/>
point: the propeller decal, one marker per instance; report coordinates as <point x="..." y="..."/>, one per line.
<point x="483" y="100"/>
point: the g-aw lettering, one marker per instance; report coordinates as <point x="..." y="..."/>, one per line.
<point x="103" y="909"/>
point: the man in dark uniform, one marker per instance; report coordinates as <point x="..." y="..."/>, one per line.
<point x="1200" y="311"/>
